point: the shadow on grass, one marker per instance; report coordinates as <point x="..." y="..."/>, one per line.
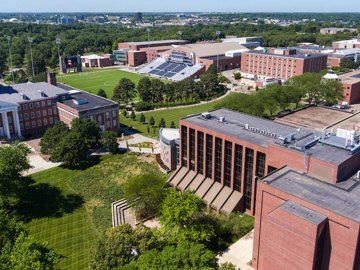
<point x="44" y="200"/>
<point x="89" y="162"/>
<point x="129" y="130"/>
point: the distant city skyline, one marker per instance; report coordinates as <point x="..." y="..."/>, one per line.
<point x="181" y="6"/>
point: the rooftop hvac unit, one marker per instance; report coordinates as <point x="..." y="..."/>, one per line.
<point x="222" y="119"/>
<point x="206" y="115"/>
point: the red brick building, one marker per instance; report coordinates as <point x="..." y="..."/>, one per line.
<point x="28" y="109"/>
<point x="302" y="185"/>
<point x="351" y="86"/>
<point x="280" y="63"/>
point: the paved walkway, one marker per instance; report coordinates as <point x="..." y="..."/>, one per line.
<point x="38" y="164"/>
<point x="239" y="253"/>
<point x="138" y="138"/>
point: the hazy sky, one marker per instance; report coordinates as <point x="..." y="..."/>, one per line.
<point x="179" y="5"/>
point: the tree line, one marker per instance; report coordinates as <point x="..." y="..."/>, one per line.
<point x="310" y="88"/>
<point x="155" y="92"/>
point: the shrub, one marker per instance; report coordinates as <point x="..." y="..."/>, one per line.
<point x="143" y="106"/>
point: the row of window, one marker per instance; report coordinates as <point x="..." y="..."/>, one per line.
<point x="37" y="114"/>
<point x="39" y="123"/>
<point x="35" y="104"/>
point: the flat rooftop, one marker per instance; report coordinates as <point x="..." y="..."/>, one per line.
<point x="349" y="123"/>
<point x="157" y="42"/>
<point x="317" y="118"/>
<point x="83" y="101"/>
<point x="342" y="198"/>
<point x="23" y="92"/>
<point x="297" y="55"/>
<point x="264" y="132"/>
<point x="350" y="77"/>
<point x="213" y="49"/>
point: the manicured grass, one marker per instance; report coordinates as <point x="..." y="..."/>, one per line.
<point x="174" y="114"/>
<point x="92" y="81"/>
<point x="70" y="208"/>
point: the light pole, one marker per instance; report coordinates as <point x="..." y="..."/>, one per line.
<point x="217" y="56"/>
<point x="148" y="31"/>
<point x="180" y="34"/>
<point x="11" y="66"/>
<point x="32" y="60"/>
<point x="58" y="42"/>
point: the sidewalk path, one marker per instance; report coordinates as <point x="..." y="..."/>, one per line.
<point x="239" y="253"/>
<point x="138" y="138"/>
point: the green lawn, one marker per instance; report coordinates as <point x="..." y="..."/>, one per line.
<point x="70" y="208"/>
<point x="174" y="114"/>
<point x="92" y="81"/>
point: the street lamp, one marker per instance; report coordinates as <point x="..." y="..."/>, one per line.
<point x="58" y="42"/>
<point x="148" y="31"/>
<point x="11" y="66"/>
<point x="32" y="60"/>
<point x="217" y="56"/>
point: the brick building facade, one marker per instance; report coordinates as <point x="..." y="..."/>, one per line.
<point x="280" y="63"/>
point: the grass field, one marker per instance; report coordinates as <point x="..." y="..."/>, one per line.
<point x="68" y="209"/>
<point x="174" y="114"/>
<point x="92" y="81"/>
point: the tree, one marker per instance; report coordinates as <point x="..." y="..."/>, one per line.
<point x="347" y="63"/>
<point x="147" y="192"/>
<point x="124" y="113"/>
<point x="157" y="90"/>
<point x="13" y="161"/>
<point x="185" y="255"/>
<point x="120" y="245"/>
<point x="27" y="254"/>
<point x="88" y="129"/>
<point x="148" y="129"/>
<point x="52" y="136"/>
<point x="182" y="218"/>
<point x="332" y="92"/>
<point x="162" y="123"/>
<point x="71" y="149"/>
<point x="237" y="75"/>
<point x="101" y="93"/>
<point x="151" y="121"/>
<point x="227" y="266"/>
<point x="144" y="89"/>
<point x="109" y="141"/>
<point x="142" y="118"/>
<point x="172" y="124"/>
<point x="124" y="91"/>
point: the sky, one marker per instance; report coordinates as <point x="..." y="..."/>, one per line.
<point x="179" y="5"/>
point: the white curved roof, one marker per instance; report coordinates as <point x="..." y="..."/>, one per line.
<point x="170" y="133"/>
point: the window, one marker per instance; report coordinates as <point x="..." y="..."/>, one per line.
<point x="20" y="117"/>
<point x="50" y="111"/>
<point x="45" y="122"/>
<point x="37" y="104"/>
<point x="54" y="110"/>
<point x="249" y="162"/>
<point x="32" y="115"/>
<point x="26" y="116"/>
<point x="192" y="148"/>
<point x="44" y="112"/>
<point x="43" y="103"/>
<point x="227" y="165"/>
<point x="260" y="164"/>
<point x="39" y="123"/>
<point x="218" y="159"/>
<point x="51" y="120"/>
<point x="25" y="106"/>
<point x="209" y="155"/>
<point x="113" y="113"/>
<point x="107" y="115"/>
<point x="49" y="102"/>
<point x="9" y="119"/>
<point x="31" y="106"/>
<point x="114" y="123"/>
<point x="184" y="145"/>
<point x="200" y="153"/>
<point x="33" y="124"/>
<point x="38" y="114"/>
<point x="238" y="167"/>
<point x="27" y="125"/>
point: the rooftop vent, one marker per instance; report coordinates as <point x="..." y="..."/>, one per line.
<point x="25" y="97"/>
<point x="42" y="93"/>
<point x="80" y="101"/>
<point x="206" y="115"/>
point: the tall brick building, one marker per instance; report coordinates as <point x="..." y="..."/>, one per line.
<point x="280" y="63"/>
<point x="302" y="185"/>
